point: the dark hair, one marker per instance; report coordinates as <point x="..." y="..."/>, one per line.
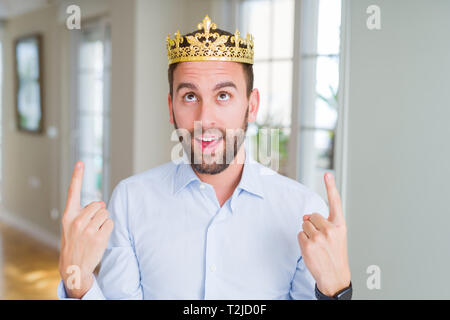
<point x="247" y="68"/>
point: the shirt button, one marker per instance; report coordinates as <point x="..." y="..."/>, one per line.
<point x="213" y="268"/>
<point x="202" y="186"/>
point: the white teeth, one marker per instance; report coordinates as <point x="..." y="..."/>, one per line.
<point x="208" y="139"/>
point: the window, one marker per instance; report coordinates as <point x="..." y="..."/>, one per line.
<point x="271" y="22"/>
<point x="307" y="69"/>
<point x="91" y="114"/>
<point x="319" y="61"/>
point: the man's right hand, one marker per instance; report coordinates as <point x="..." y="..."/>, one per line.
<point x="85" y="234"/>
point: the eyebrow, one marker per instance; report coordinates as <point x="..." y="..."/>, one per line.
<point x="218" y="86"/>
<point x="224" y="85"/>
<point x="186" y="85"/>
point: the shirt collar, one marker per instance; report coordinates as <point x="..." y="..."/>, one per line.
<point x="250" y="180"/>
<point x="184" y="175"/>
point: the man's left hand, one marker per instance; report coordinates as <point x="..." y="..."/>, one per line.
<point x="323" y="243"/>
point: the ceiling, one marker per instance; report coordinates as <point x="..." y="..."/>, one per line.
<point x="11" y="8"/>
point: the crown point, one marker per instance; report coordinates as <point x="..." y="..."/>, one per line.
<point x="206" y="25"/>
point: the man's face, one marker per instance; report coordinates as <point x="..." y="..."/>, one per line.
<point x="210" y="101"/>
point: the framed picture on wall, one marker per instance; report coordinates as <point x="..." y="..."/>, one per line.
<point x="29" y="87"/>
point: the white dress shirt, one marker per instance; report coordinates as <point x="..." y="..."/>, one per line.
<point x="172" y="240"/>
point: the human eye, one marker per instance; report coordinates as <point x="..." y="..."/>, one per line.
<point x="223" y="96"/>
<point x="190" y="97"/>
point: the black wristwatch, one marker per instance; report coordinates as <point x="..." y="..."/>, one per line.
<point x="344" y="294"/>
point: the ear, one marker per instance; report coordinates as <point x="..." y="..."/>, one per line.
<point x="253" y="105"/>
<point x="169" y="102"/>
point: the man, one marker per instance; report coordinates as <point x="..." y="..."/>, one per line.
<point x="217" y="227"/>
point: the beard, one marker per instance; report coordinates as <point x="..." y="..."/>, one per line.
<point x="218" y="160"/>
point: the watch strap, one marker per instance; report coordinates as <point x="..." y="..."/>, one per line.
<point x="344" y="294"/>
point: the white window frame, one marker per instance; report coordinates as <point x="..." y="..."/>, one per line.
<point x="340" y="155"/>
<point x="103" y="24"/>
<point x="343" y="98"/>
<point x="235" y="9"/>
<point x="298" y="100"/>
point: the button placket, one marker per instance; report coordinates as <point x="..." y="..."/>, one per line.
<point x="205" y="192"/>
<point x="210" y="260"/>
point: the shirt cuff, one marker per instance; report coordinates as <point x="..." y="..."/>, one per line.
<point x="94" y="293"/>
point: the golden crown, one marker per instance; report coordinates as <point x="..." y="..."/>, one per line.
<point x="209" y="45"/>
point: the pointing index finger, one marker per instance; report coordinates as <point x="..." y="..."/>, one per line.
<point x="334" y="200"/>
<point x="74" y="193"/>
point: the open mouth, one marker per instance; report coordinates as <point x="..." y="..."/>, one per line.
<point x="208" y="143"/>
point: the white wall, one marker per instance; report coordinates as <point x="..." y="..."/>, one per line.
<point x="140" y="129"/>
<point x="46" y="159"/>
<point x="151" y="119"/>
<point x="398" y="149"/>
<point x="30" y="165"/>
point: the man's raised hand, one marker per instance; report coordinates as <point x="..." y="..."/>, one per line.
<point x="323" y="243"/>
<point x="85" y="234"/>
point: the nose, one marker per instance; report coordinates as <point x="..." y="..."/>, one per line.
<point x="207" y="115"/>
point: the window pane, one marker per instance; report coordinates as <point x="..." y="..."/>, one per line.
<point x="261" y="75"/>
<point x="92" y="181"/>
<point x="28" y="102"/>
<point x="319" y="88"/>
<point x="92" y="112"/>
<point x="255" y="15"/>
<point x="274" y="81"/>
<point x="27" y="50"/>
<point x="90" y="96"/>
<point x="282" y="34"/>
<point x="327" y="80"/>
<point x="91" y="55"/>
<point x="91" y="134"/>
<point x="329" y="27"/>
<point x="281" y="94"/>
<point x="324" y="144"/>
<point x="283" y="149"/>
<point x="272" y="24"/>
